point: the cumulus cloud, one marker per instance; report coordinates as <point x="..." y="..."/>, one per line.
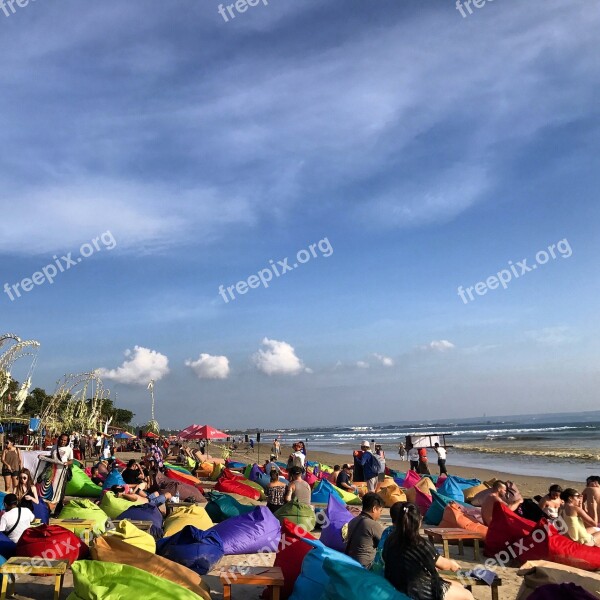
<point x="386" y="361"/>
<point x="362" y="364"/>
<point x="210" y="367"/>
<point x="439" y="346"/>
<point x="140" y="366"/>
<point x="278" y="358"/>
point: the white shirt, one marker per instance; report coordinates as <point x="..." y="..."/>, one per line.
<point x="299" y="457"/>
<point x="65" y="453"/>
<point x="413" y="454"/>
<point x="441" y="452"/>
<point x="9" y="518"/>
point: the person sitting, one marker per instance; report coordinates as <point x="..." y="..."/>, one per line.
<point x="271" y="464"/>
<point x="412" y="563"/>
<point x="26" y="491"/>
<point x="364" y="531"/>
<point x="275" y="491"/>
<point x="343" y="480"/>
<point x="581" y="527"/>
<point x="154" y="498"/>
<point x="297" y="488"/>
<point x="551" y="502"/>
<point x="95" y="476"/>
<point x="103" y="468"/>
<point x="396" y="513"/>
<point x="333" y="476"/>
<point x="16" y="519"/>
<point x="134" y="476"/>
<point x="591" y="498"/>
<point x="498" y="495"/>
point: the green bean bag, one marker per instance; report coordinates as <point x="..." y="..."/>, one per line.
<point x="224" y="506"/>
<point x="300" y="514"/>
<point x="95" y="580"/>
<point x="134" y="536"/>
<point x="81" y="485"/>
<point x="82" y="508"/>
<point x="114" y="506"/>
<point x="217" y="471"/>
<point x="348" y="497"/>
<point x="178" y="468"/>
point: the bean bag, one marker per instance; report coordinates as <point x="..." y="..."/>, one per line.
<point x="350" y="582"/>
<point x="435" y="513"/>
<point x="313" y="578"/>
<point x="440" y="481"/>
<point x="186" y="515"/>
<point x="217" y="470"/>
<point x="223" y="506"/>
<point x="205" y="470"/>
<point x="130" y="534"/>
<point x="454" y="516"/>
<point x="325" y="468"/>
<point x="300" y="514"/>
<point x="82" y="508"/>
<point x="247" y="471"/>
<point x="564" y="591"/>
<point x="232" y="464"/>
<point x="7" y="546"/>
<point x="423" y="501"/>
<point x="471" y="492"/>
<point x="145" y="512"/>
<point x="411" y="478"/>
<point x="178" y="468"/>
<point x="41" y="512"/>
<point x="336" y="516"/>
<point x="546" y="543"/>
<point x="424" y="485"/>
<point x="537" y="573"/>
<point x="244" y="499"/>
<point x="51" y="542"/>
<point x="230" y="475"/>
<point x="531" y="510"/>
<point x="192" y="548"/>
<point x="113" y="478"/>
<point x="392" y="494"/>
<point x="451" y="489"/>
<point x="310" y="478"/>
<point x="259" y="477"/>
<point x="506" y="526"/>
<point x="184" y="478"/>
<point x="94" y="580"/>
<point x="114" y="506"/>
<point x="321" y="492"/>
<point x="465" y="484"/>
<point x="81" y="485"/>
<point x="249" y="533"/>
<point x="347" y="497"/>
<point x="186" y="491"/>
<point x="113" y="549"/>
<point x="231" y="486"/>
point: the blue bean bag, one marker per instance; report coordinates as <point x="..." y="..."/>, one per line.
<point x="235" y="465"/>
<point x="7" y="546"/>
<point x="195" y="549"/>
<point x="42" y="512"/>
<point x="348" y="582"/>
<point x="249" y="533"/>
<point x="145" y="512"/>
<point x="336" y="516"/>
<point x="435" y="512"/>
<point x="451" y="489"/>
<point x="321" y="492"/>
<point x="224" y="506"/>
<point x="259" y="477"/>
<point x="465" y="483"/>
<point x="2" y="495"/>
<point x="113" y="478"/>
<point x="313" y="578"/>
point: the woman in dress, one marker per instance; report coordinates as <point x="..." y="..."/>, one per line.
<point x="26" y="491"/>
<point x="11" y="465"/>
<point x="275" y="492"/>
<point x="412" y="562"/>
<point x="580" y="526"/>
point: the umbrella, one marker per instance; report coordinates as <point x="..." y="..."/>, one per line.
<point x="150" y="434"/>
<point x="201" y="432"/>
<point x="124" y="436"/>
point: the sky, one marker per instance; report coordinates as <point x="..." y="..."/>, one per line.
<point x="397" y="152"/>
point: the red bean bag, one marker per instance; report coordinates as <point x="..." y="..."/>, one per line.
<point x="411" y="478"/>
<point x="423" y="501"/>
<point x="310" y="478"/>
<point x="440" y="481"/>
<point x="290" y="554"/>
<point x="229" y="474"/>
<point x="229" y="486"/>
<point x="183" y="478"/>
<point x="51" y="542"/>
<point x="546" y="543"/>
<point x="506" y="526"/>
<point x="454" y="516"/>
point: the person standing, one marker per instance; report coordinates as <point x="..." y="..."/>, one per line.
<point x="297" y="458"/>
<point x="401" y="451"/>
<point x="423" y="462"/>
<point x="364" y="531"/>
<point x="370" y="464"/>
<point x="11" y="465"/>
<point x="380" y="456"/>
<point x="413" y="458"/>
<point x="441" y="453"/>
<point x="591" y="497"/>
<point x="82" y="447"/>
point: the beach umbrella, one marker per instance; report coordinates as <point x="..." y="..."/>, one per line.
<point x="201" y="432"/>
<point x="124" y="436"/>
<point x="150" y="434"/>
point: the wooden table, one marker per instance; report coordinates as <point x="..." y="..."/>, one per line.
<point x="469" y="582"/>
<point x="272" y="577"/>
<point x="75" y="525"/>
<point x="171" y="505"/>
<point x="455" y="533"/>
<point x="19" y="565"/>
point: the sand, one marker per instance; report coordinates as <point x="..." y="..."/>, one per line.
<point x="35" y="588"/>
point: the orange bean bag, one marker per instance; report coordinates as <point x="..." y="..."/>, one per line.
<point x="184" y="478"/>
<point x="455" y="517"/>
<point x="424" y="485"/>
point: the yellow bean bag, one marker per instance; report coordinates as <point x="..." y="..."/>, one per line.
<point x="206" y="469"/>
<point x="216" y="472"/>
<point x="134" y="536"/>
<point x="392" y="494"/>
<point x="471" y="492"/>
<point x="114" y="506"/>
<point x="113" y="549"/>
<point x="187" y="515"/>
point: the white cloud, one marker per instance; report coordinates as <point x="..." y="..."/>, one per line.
<point x="141" y="365"/>
<point x="552" y="336"/>
<point x="440" y="346"/>
<point x="278" y="358"/>
<point x="361" y="364"/>
<point x="210" y="367"/>
<point x="386" y="361"/>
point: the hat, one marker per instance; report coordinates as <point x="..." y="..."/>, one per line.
<point x="365" y="444"/>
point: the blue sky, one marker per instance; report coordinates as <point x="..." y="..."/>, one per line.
<point x="427" y="148"/>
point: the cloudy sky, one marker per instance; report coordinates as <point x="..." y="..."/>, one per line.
<point x="392" y="150"/>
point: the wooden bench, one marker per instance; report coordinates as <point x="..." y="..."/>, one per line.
<point x="171" y="505"/>
<point x="272" y="577"/>
<point x="469" y="582"/>
<point x="446" y="534"/>
<point x="19" y="565"/>
<point x="75" y="525"/>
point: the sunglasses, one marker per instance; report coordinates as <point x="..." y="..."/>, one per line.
<point x="24" y="477"/>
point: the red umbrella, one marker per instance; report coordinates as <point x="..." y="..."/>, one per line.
<point x="201" y="432"/>
<point x="150" y="434"/>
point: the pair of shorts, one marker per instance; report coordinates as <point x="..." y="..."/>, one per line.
<point x="7" y="472"/>
<point x="381" y="477"/>
<point x="157" y="500"/>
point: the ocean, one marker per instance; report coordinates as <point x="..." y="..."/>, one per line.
<point x="519" y="445"/>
